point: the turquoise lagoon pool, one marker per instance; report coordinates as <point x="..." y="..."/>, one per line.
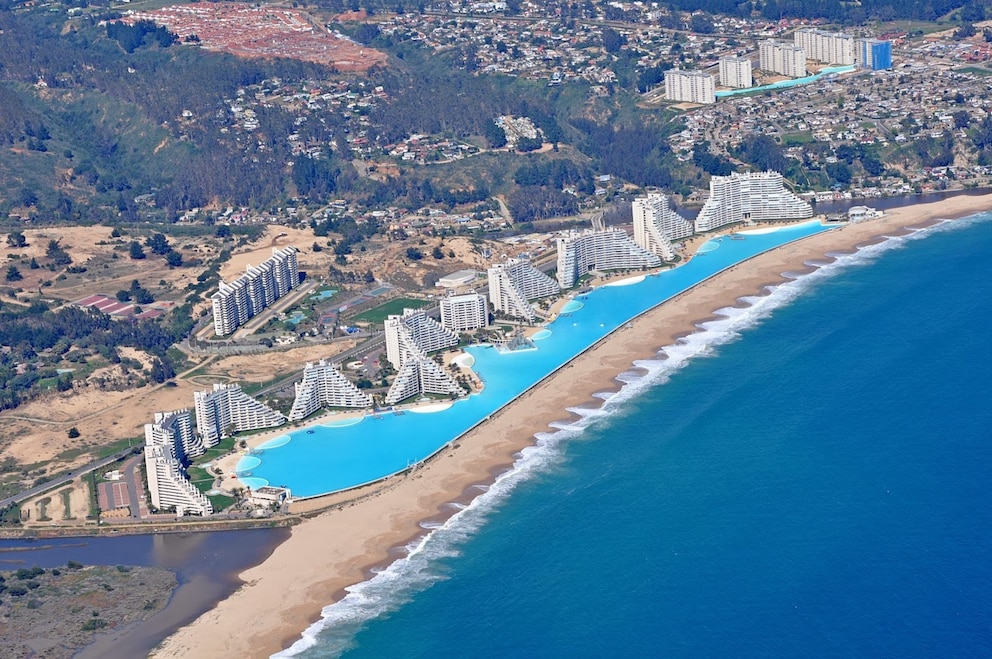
<point x="330" y="457"/>
<point x="794" y="82"/>
<point x="323" y="295"/>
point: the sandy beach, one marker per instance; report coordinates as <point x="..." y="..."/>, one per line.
<point x="285" y="594"/>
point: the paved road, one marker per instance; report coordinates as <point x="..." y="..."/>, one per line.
<point x="135" y="492"/>
<point x="65" y="478"/>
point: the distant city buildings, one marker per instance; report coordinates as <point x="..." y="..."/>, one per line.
<point x="611" y="249"/>
<point x="827" y="47"/>
<point x="736" y="72"/>
<point x="226" y="409"/>
<point x="414" y="333"/>
<point x="169" y="442"/>
<point x="873" y="54"/>
<point x="784" y="58"/>
<point x="514" y="283"/>
<point x="690" y="86"/>
<point x="749" y="197"/>
<point x="237" y="302"/>
<point x="656" y="225"/>
<point x="322" y="386"/>
<point x="461" y="313"/>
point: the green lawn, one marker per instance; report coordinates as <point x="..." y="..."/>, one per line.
<point x="976" y="70"/>
<point x="204" y="482"/>
<point x="794" y="139"/>
<point x="378" y="314"/>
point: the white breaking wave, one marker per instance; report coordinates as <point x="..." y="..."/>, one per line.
<point x="420" y="567"/>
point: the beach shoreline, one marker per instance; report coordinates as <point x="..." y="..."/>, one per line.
<point x="286" y="593"/>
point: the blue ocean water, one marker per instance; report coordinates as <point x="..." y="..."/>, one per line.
<point x="807" y="477"/>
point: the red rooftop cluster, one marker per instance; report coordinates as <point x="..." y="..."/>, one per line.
<point x="114" y="307"/>
<point x="262" y="32"/>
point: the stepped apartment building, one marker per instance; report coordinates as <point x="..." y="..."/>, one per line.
<point x="689" y="86"/>
<point x="421" y="375"/>
<point x="514" y="283"/>
<point x="461" y="313"/>
<point x="827" y="47"/>
<point x="873" y="54"/>
<point x="736" y="72"/>
<point x="414" y="333"/>
<point x="226" y="409"/>
<point x="780" y="57"/>
<point x="237" y="302"/>
<point x="657" y="225"/>
<point x="324" y="386"/>
<point x="169" y="441"/>
<point x="612" y="249"/>
<point x="749" y="197"/>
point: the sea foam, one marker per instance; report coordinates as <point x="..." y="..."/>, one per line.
<point x="421" y="565"/>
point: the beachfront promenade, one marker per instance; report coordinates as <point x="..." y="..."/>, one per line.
<point x="341" y="455"/>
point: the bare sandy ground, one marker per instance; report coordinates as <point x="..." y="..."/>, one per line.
<point x="386" y="260"/>
<point x="92" y="247"/>
<point x="37" y="432"/>
<point x="283" y="595"/>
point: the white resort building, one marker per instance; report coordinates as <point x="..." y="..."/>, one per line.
<point x="421" y="375"/>
<point x="514" y="283"/>
<point x="750" y="197"/>
<point x="324" y="386"/>
<point x="174" y="429"/>
<point x="408" y="340"/>
<point x="226" y="409"/>
<point x="461" y="313"/>
<point x="235" y="303"/>
<point x="414" y="333"/>
<point x="736" y="72"/>
<point x="827" y="47"/>
<point x="611" y="249"/>
<point x="784" y="58"/>
<point x="657" y="225"/>
<point x="167" y="441"/>
<point x="690" y="86"/>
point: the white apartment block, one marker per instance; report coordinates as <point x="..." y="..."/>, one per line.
<point x="169" y="442"/>
<point x="827" y="47"/>
<point x="236" y="302"/>
<point x="174" y="430"/>
<point x="324" y="386"/>
<point x="749" y="197"/>
<point x="514" y="283"/>
<point x="461" y="313"/>
<point x="689" y="86"/>
<point x="226" y="409"/>
<point x="656" y="225"/>
<point x="168" y="485"/>
<point x="780" y="57"/>
<point x="414" y="333"/>
<point x="612" y="249"/>
<point x="736" y="72"/>
<point x="421" y="375"/>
